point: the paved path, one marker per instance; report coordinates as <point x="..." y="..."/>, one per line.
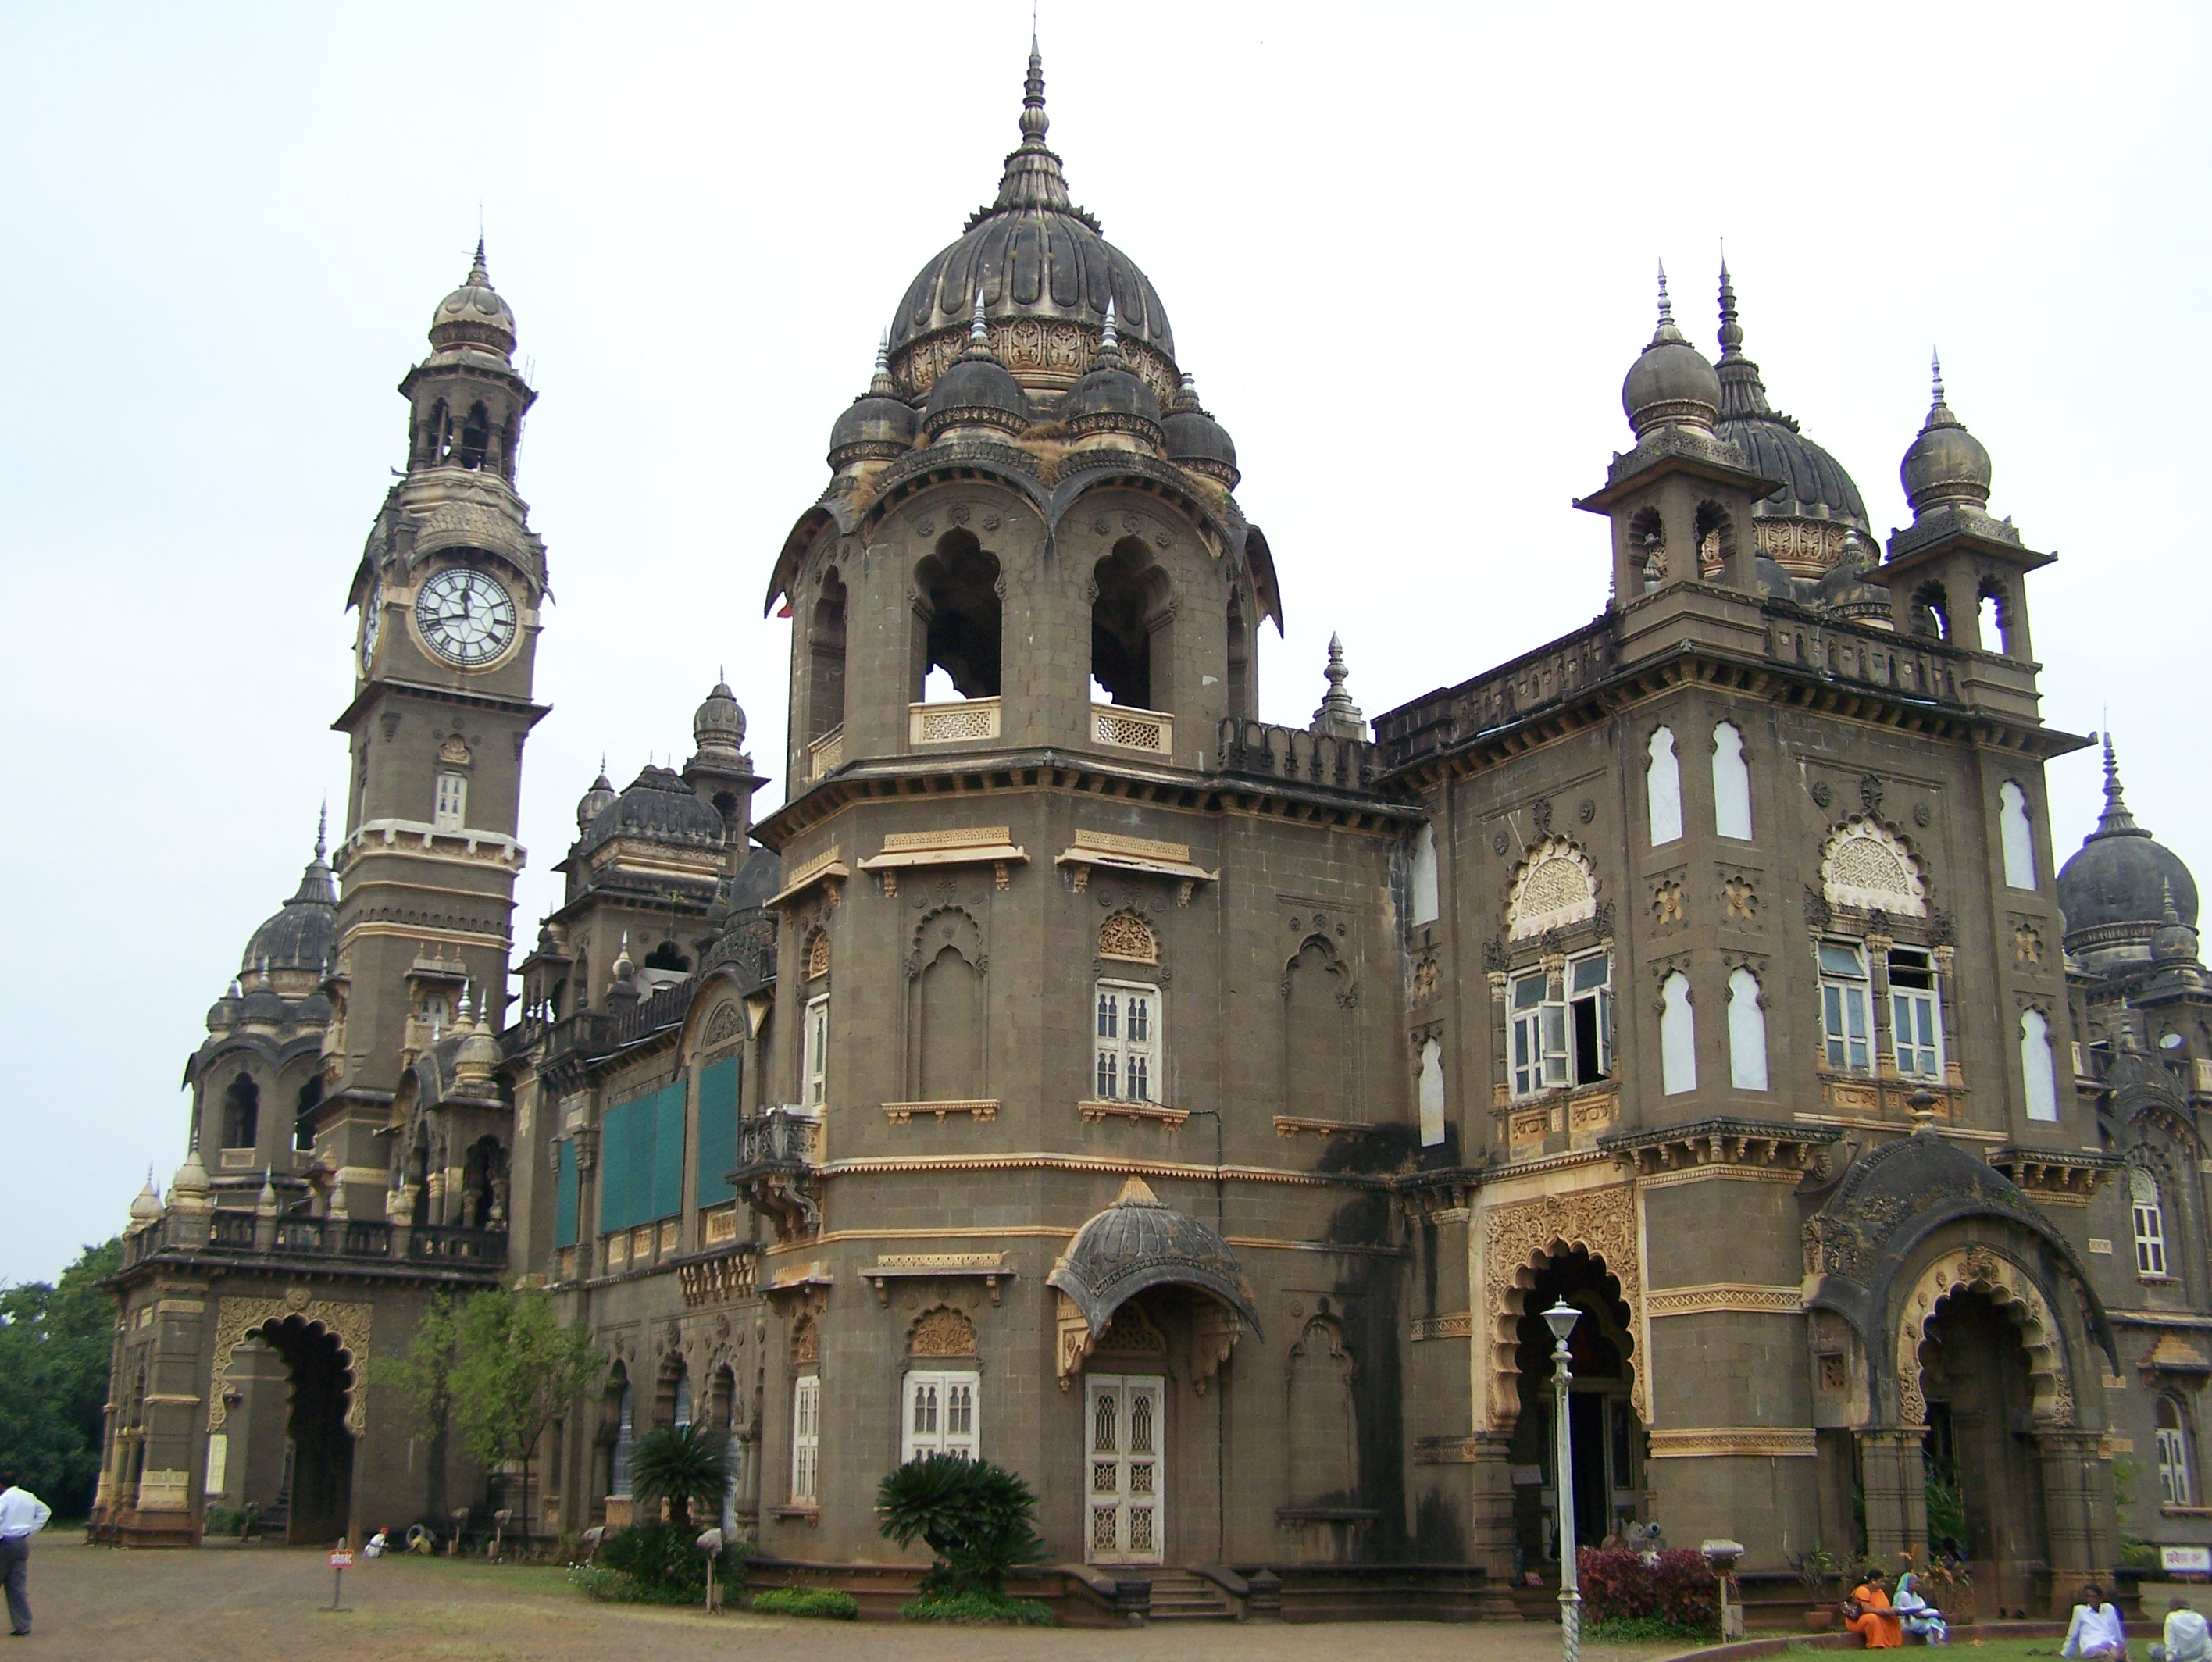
<point x="233" y="1604"/>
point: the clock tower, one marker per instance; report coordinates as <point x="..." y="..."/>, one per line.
<point x="448" y="595"/>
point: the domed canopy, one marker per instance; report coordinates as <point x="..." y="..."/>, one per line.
<point x="719" y="727"/>
<point x="1110" y="398"/>
<point x="303" y="934"/>
<point x="1140" y="1242"/>
<point x="878" y="426"/>
<point x="1040" y="265"/>
<point x="1198" y="441"/>
<point x="474" y="314"/>
<point x="1946" y="463"/>
<point x="978" y="392"/>
<point x="2119" y="889"/>
<point x="1670" y="383"/>
<point x="594" y="802"/>
<point x="658" y="807"/>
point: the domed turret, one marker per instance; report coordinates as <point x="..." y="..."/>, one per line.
<point x="657" y="807"/>
<point x="976" y="392"/>
<point x="474" y="315"/>
<point x="1670" y="384"/>
<point x="2121" y="888"/>
<point x="189" y="1187"/>
<point x="1110" y="399"/>
<point x="145" y="1206"/>
<point x="718" y="728"/>
<point x="1197" y="441"/>
<point x="302" y="936"/>
<point x="878" y="426"/>
<point x="1946" y="463"/>
<point x="262" y="1005"/>
<point x="477" y="1059"/>
<point x="593" y="801"/>
<point x="2175" y="941"/>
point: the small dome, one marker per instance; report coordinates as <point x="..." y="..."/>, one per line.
<point x="658" y="807"/>
<point x="304" y="934"/>
<point x="590" y="804"/>
<point x="1670" y="384"/>
<point x="2174" y="942"/>
<point x="718" y="728"/>
<point x="474" y="315"/>
<point x="223" y="1012"/>
<point x="1110" y="398"/>
<point x="1199" y="442"/>
<point x="2122" y="887"/>
<point x="146" y="1205"/>
<point x="976" y="391"/>
<point x="191" y="1178"/>
<point x="1140" y="1242"/>
<point x="878" y="427"/>
<point x="1946" y="463"/>
<point x="477" y="1058"/>
<point x="262" y="1005"/>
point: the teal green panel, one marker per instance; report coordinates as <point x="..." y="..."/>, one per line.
<point x="718" y="1131"/>
<point x="564" y="1195"/>
<point x="666" y="1197"/>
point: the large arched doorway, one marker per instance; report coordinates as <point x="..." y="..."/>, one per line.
<point x="1605" y="1432"/>
<point x="316" y="1489"/>
<point x="1985" y="1476"/>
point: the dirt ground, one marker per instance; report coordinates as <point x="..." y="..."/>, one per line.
<point x="221" y="1604"/>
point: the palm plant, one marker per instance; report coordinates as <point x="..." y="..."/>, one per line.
<point x="685" y="1465"/>
<point x="978" y="1518"/>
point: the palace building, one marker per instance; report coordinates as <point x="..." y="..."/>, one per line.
<point x="1189" y="1113"/>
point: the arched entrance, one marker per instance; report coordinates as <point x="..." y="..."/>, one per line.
<point x="1984" y="1474"/>
<point x="287" y="1447"/>
<point x="1606" y="1432"/>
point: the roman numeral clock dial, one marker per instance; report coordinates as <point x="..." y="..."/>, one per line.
<point x="467" y="617"/>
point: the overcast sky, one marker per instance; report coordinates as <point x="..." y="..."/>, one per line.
<point x="1408" y="252"/>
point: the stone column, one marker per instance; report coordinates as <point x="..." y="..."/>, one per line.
<point x="1896" y="1487"/>
<point x="2079" y="1520"/>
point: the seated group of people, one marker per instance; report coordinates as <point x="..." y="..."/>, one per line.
<point x="2095" y="1632"/>
<point x="1882" y="1622"/>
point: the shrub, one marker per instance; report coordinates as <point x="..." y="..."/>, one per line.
<point x="225" y="1520"/>
<point x="611" y="1586"/>
<point x="979" y="1520"/>
<point x="823" y="1602"/>
<point x="685" y="1465"/>
<point x="660" y="1556"/>
<point x="1676" y="1588"/>
<point x="978" y="1608"/>
<point x="1640" y="1630"/>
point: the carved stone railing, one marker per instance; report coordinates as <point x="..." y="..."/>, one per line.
<point x="231" y="1231"/>
<point x="777" y="1152"/>
<point x="1126" y="727"/>
<point x="827" y="754"/>
<point x="952" y="723"/>
<point x="234" y="1232"/>
<point x="1257" y="748"/>
<point x="446" y="1241"/>
<point x="1552" y="676"/>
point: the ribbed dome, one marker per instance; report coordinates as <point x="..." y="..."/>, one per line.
<point x="1111" y="399"/>
<point x="595" y="801"/>
<point x="474" y="314"/>
<point x="1198" y="441"/>
<point x="1670" y="382"/>
<point x="977" y="391"/>
<point x="1946" y="463"/>
<point x="658" y="807"/>
<point x="2118" y="890"/>
<point x="303" y="934"/>
<point x="1037" y="261"/>
<point x="1140" y="1242"/>
<point x="720" y="726"/>
<point x="878" y="427"/>
<point x="1813" y="483"/>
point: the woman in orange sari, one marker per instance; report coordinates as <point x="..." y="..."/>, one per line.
<point x="1868" y="1614"/>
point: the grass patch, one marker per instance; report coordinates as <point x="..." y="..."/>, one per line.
<point x="823" y="1602"/>
<point x="1647" y="1630"/>
<point x="614" y="1586"/>
<point x="979" y="1610"/>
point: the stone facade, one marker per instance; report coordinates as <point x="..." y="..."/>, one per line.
<point x="1192" y="1114"/>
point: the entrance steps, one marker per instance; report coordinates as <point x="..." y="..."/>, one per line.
<point x="1180" y="1596"/>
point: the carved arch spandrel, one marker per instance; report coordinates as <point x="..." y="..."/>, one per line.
<point x="1983" y="1269"/>
<point x="238" y="1319"/>
<point x="1519" y="1240"/>
<point x="1554" y="885"/>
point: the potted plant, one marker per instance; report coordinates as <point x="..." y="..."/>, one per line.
<point x="1820" y="1574"/>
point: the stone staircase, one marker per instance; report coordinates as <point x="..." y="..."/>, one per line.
<point x="1178" y="1595"/>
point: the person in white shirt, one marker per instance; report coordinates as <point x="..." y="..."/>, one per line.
<point x="23" y="1514"/>
<point x="2187" y="1639"/>
<point x="2095" y="1634"/>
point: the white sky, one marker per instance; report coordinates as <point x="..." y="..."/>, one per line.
<point x="1408" y="252"/>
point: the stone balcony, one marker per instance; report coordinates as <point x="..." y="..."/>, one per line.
<point x="319" y="1242"/>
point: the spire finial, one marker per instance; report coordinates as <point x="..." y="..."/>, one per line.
<point x="1936" y="376"/>
<point x="1110" y="341"/>
<point x="1338" y="717"/>
<point x="1666" y="306"/>
<point x="478" y="276"/>
<point x="1731" y="335"/>
<point x="2116" y="820"/>
<point x="979" y="331"/>
<point x="323" y="829"/>
<point x="1034" y="119"/>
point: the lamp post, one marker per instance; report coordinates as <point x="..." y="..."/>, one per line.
<point x="1561" y="1319"/>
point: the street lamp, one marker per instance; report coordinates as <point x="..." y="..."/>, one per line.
<point x="1561" y="1319"/>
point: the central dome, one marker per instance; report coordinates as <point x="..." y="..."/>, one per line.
<point x="1047" y="278"/>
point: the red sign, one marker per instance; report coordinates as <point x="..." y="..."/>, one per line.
<point x="342" y="1559"/>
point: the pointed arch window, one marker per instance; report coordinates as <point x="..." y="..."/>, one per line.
<point x="2148" y="1213"/>
<point x="1747" y="1027"/>
<point x="940" y="1415"/>
<point x="241" y="1113"/>
<point x="1127" y="1042"/>
<point x="2017" y="833"/>
<point x="2038" y="1071"/>
<point x="2177" y="1484"/>
<point x="1678" y="1037"/>
<point x="1731" y="784"/>
<point x="1425" y="906"/>
<point x="1432" y="1093"/>
<point x="1662" y="787"/>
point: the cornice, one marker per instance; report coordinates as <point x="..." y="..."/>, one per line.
<point x="378" y="686"/>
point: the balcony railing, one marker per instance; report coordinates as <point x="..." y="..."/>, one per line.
<point x="951" y="722"/>
<point x="777" y="1152"/>
<point x="1126" y="727"/>
<point x="827" y="754"/>
<point x="1297" y="755"/>
<point x="229" y="1232"/>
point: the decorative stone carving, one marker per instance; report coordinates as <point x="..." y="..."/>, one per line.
<point x="805" y="1340"/>
<point x="1667" y="904"/>
<point x="727" y="1022"/>
<point x="1128" y="936"/>
<point x="1555" y="886"/>
<point x="1979" y="1269"/>
<point x="1519" y="1240"/>
<point x="941" y="1331"/>
<point x="1866" y="867"/>
<point x="238" y="1319"/>
<point x="817" y="954"/>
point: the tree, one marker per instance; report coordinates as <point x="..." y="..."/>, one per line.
<point x="424" y="1377"/>
<point x="56" y="1341"/>
<point x="978" y="1518"/>
<point x="685" y="1465"/>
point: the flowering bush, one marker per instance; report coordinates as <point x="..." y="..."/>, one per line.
<point x="1677" y="1588"/>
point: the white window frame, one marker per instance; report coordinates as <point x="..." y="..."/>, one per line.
<point x="1746" y="1031"/>
<point x="815" y="1087"/>
<point x="2016" y="836"/>
<point x="1425" y="903"/>
<point x="939" y="1414"/>
<point x="1731" y="783"/>
<point x="1544" y="1049"/>
<point x="1583" y="988"/>
<point x="806" y="1440"/>
<point x="2148" y="1216"/>
<point x="1846" y="1010"/>
<point x="2171" y="1442"/>
<point x="450" y="808"/>
<point x="1915" y="1016"/>
<point x="1128" y="1039"/>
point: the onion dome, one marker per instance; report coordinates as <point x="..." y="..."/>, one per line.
<point x="880" y="425"/>
<point x="600" y="796"/>
<point x="303" y="935"/>
<point x="1804" y="523"/>
<point x="262" y="1003"/>
<point x="474" y="315"/>
<point x="145" y="1205"/>
<point x="477" y="1059"/>
<point x="2175" y="941"/>
<point x="2119" y="890"/>
<point x="978" y="392"/>
<point x="1111" y="399"/>
<point x="1044" y="274"/>
<point x="718" y="728"/>
<point x="1670" y="384"/>
<point x="1197" y="441"/>
<point x="1946" y="463"/>
<point x="191" y="1181"/>
<point x="657" y="807"/>
<point x="223" y="1012"/>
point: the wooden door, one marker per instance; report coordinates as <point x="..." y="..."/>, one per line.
<point x="1123" y="1428"/>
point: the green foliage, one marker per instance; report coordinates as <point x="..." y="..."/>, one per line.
<point x="667" y="1556"/>
<point x="1819" y="1569"/>
<point x="1642" y="1631"/>
<point x="979" y="1520"/>
<point x="2135" y="1553"/>
<point x="225" y="1520"/>
<point x="976" y="1608"/>
<point x="823" y="1602"/>
<point x="612" y="1586"/>
<point x="1947" y="1508"/>
<point x="2124" y="1480"/>
<point x="54" y="1346"/>
<point x="685" y="1465"/>
<point x="424" y="1376"/>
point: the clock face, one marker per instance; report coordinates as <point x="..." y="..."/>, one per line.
<point x="467" y="617"/>
<point x="372" y="623"/>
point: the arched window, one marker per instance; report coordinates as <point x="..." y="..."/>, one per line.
<point x="1678" y="1037"/>
<point x="241" y="1113"/>
<point x="1931" y="612"/>
<point x="1425" y="876"/>
<point x="1432" y="1093"/>
<point x="667" y="955"/>
<point x="1241" y="702"/>
<point x="450" y="811"/>
<point x="1731" y="784"/>
<point x="1746" y="1028"/>
<point x="2147" y="1213"/>
<point x="951" y="1037"/>
<point x="1995" y="618"/>
<point x="679" y="1410"/>
<point x="825" y="660"/>
<point x="1663" y="788"/>
<point x="959" y="584"/>
<point x="476" y="437"/>
<point x="2018" y="832"/>
<point x="2038" y="1071"/>
<point x="2176" y="1485"/>
<point x="1133" y="607"/>
<point x="625" y="1432"/>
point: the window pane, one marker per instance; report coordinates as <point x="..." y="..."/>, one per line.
<point x="1592" y="973"/>
<point x="1141" y="1089"/>
<point x="1108" y="1015"/>
<point x="1840" y="960"/>
<point x="1140" y="1020"/>
<point x="1529" y="992"/>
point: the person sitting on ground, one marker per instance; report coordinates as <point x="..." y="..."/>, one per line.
<point x="2095" y="1634"/>
<point x="1868" y="1614"/>
<point x="2186" y="1637"/>
<point x="373" y="1547"/>
<point x="1922" y="1619"/>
